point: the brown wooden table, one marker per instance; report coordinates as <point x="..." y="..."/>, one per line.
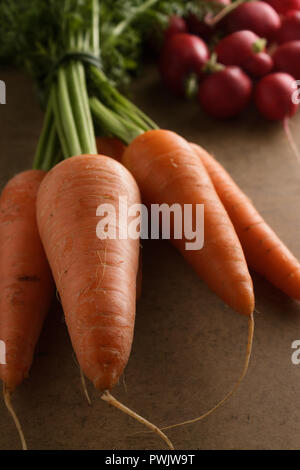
<point x="188" y="347"/>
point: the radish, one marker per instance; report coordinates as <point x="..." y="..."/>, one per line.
<point x="258" y="65"/>
<point x="247" y="50"/>
<point x="258" y="17"/>
<point x="202" y="27"/>
<point x="182" y="60"/>
<point x="199" y="27"/>
<point x="176" y="25"/>
<point x="226" y="92"/>
<point x="273" y="98"/>
<point x="290" y="28"/>
<point x="284" y="6"/>
<point x="238" y="46"/>
<point x="287" y="58"/>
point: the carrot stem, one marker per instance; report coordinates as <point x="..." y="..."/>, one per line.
<point x="95" y="27"/>
<point x="51" y="149"/>
<point x="113" y="123"/>
<point x="114" y="402"/>
<point x="68" y="121"/>
<point x="86" y="106"/>
<point x="120" y="28"/>
<point x="118" y="103"/>
<point x="8" y="404"/>
<point x="77" y="91"/>
<point x="236" y="385"/>
<point x="58" y="122"/>
<point x="43" y="140"/>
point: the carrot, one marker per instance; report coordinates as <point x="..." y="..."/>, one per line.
<point x="96" y="278"/>
<point x="26" y="285"/>
<point x="114" y="148"/>
<point x="168" y="171"/>
<point x="111" y="147"/>
<point x="264" y="251"/>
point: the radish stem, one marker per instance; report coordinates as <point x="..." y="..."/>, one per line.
<point x="228" y="9"/>
<point x="290" y="138"/>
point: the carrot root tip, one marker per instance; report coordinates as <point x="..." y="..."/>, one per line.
<point x="107" y="397"/>
<point x="8" y="404"/>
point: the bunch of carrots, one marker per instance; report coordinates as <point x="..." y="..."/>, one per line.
<point x="48" y="225"/>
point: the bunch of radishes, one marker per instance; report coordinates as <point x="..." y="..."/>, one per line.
<point x="257" y="58"/>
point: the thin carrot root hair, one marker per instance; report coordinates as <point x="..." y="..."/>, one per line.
<point x="106" y="396"/>
<point x="236" y="385"/>
<point x="124" y="382"/>
<point x="8" y="404"/>
<point x="83" y="381"/>
<point x="84" y="387"/>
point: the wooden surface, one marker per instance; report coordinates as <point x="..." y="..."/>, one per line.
<point x="188" y="347"/>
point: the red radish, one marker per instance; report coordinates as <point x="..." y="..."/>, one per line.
<point x="273" y="96"/>
<point x="247" y="50"/>
<point x="290" y="28"/>
<point x="199" y="27"/>
<point x="203" y="27"/>
<point x="259" y="65"/>
<point x="182" y="56"/>
<point x="258" y="17"/>
<point x="225" y="93"/>
<point x="284" y="6"/>
<point x="176" y="25"/>
<point x="238" y="46"/>
<point x="287" y="58"/>
<point x="158" y="36"/>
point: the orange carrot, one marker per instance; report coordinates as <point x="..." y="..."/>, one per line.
<point x="264" y="251"/>
<point x="169" y="171"/>
<point x="96" y="278"/>
<point x="26" y="285"/>
<point x="114" y="148"/>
